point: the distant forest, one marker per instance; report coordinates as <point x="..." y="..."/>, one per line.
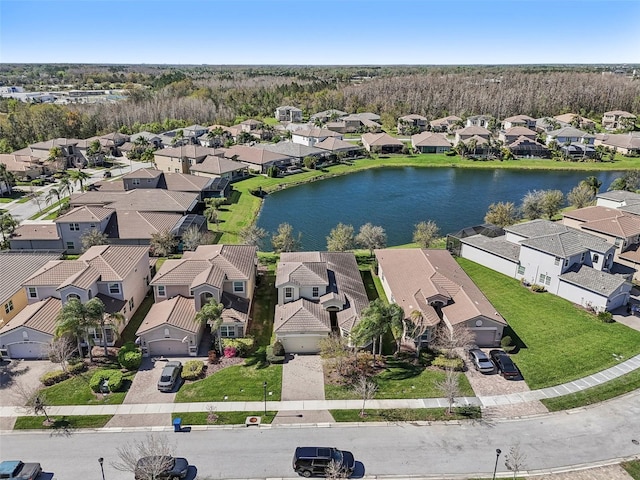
<point x="164" y="97"/>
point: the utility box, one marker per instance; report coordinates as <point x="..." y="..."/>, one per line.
<point x="177" y="424"/>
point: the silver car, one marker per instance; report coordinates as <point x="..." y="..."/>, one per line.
<point x="170" y="376"/>
<point x="480" y="361"/>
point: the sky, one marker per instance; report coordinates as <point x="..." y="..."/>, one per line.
<point x="320" y="32"/>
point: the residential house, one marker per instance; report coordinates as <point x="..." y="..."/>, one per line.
<point x="335" y="146"/>
<point x="71" y="156"/>
<point x="17" y="267"/>
<point x="617" y="199"/>
<point x="25" y="166"/>
<point x="567" y="262"/>
<point x="519" y="121"/>
<point x="180" y="159"/>
<point x="512" y="134"/>
<point x="430" y="142"/>
<point x="154" y="141"/>
<point x="311" y="136"/>
<point x="381" y="143"/>
<point x="142" y="199"/>
<point x="325" y="116"/>
<point x="117" y="275"/>
<point x="432" y="283"/>
<point x="525" y="147"/>
<point x="218" y="136"/>
<point x="258" y="159"/>
<point x="225" y="273"/>
<point x="548" y="124"/>
<point x="618" y="119"/>
<point x="294" y="150"/>
<point x="288" y="114"/>
<point x="318" y="293"/>
<point x="112" y="142"/>
<point x="483" y="121"/>
<point x="356" y="122"/>
<point x="626" y="144"/>
<point x="214" y="166"/>
<point x="36" y="236"/>
<point x="77" y="222"/>
<point x="574" y="119"/>
<point x="573" y="142"/>
<point x="412" y="124"/>
<point x="445" y="124"/>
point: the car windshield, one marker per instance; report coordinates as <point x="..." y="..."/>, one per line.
<point x="165" y="378"/>
<point x="336" y="455"/>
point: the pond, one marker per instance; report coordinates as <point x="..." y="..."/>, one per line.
<point x="399" y="198"/>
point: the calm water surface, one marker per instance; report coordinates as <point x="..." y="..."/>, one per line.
<point x="398" y="198"/>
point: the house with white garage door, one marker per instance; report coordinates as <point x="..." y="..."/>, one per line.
<point x="432" y="283"/>
<point x="319" y="293"/>
<point x="225" y="273"/>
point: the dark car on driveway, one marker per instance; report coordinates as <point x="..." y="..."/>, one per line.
<point x="505" y="365"/>
<point x="314" y="461"/>
<point x="160" y="467"/>
<point x="480" y="361"/>
<point x="15" y="469"/>
<point x="170" y="376"/>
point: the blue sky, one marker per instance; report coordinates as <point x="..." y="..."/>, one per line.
<point x="319" y="32"/>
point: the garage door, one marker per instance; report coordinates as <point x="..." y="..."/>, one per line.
<point x="168" y="347"/>
<point x="486" y="338"/>
<point x="27" y="350"/>
<point x="301" y="343"/>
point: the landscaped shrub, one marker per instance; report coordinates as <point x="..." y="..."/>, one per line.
<point x="441" y="361"/>
<point x="130" y="356"/>
<point x="51" y="378"/>
<point x="242" y="345"/>
<point x="114" y="377"/>
<point x="538" y="288"/>
<point x="605" y="317"/>
<point x="278" y="348"/>
<point x="230" y="352"/>
<point x="77" y="367"/>
<point x="212" y="355"/>
<point x="507" y="343"/>
<point x="192" y="369"/>
<point x="272" y="357"/>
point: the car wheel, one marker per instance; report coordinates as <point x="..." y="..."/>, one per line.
<point x="306" y="473"/>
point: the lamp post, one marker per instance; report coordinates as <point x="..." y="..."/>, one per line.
<point x="264" y="386"/>
<point x="101" y="461"/>
<point x="495" y="469"/>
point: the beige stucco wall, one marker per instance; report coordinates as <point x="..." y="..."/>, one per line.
<point x="19" y="300"/>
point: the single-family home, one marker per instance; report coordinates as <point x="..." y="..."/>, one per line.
<point x="626" y="143"/>
<point x="258" y="159"/>
<point x="519" y="121"/>
<point x="325" y="116"/>
<point x="617" y="199"/>
<point x="432" y="283"/>
<point x="356" y="122"/>
<point x="412" y="124"/>
<point x="335" y="146"/>
<point x="512" y="134"/>
<point x="381" y="143"/>
<point x="71" y="156"/>
<point x="525" y="147"/>
<point x="548" y="124"/>
<point x="142" y="199"/>
<point x="214" y="166"/>
<point x="225" y="273"/>
<point x="567" y="262"/>
<point x="574" y="142"/>
<point x="319" y="293"/>
<point x="479" y="121"/>
<point x="618" y="119"/>
<point x="576" y="120"/>
<point x="288" y="113"/>
<point x="296" y="151"/>
<point x="151" y="139"/>
<point x="25" y="166"/>
<point x="180" y="159"/>
<point x="75" y="223"/>
<point x="466" y="133"/>
<point x="430" y="142"/>
<point x="445" y="124"/>
<point x="311" y="136"/>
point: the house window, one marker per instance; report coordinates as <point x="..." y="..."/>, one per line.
<point x="596" y="257"/>
<point x="566" y="262"/>
<point x="74" y="227"/>
<point x="582" y="258"/>
<point x="8" y="306"/>
<point x="315" y="292"/>
<point x="228" y="331"/>
<point x="162" y="291"/>
<point x="547" y="280"/>
<point x="166" y="333"/>
<point x="92" y="225"/>
<point x="131" y="304"/>
<point x="238" y="287"/>
<point x="520" y="270"/>
<point x="541" y="278"/>
<point x="73" y="296"/>
<point x="135" y="181"/>
<point x="288" y="292"/>
<point x="556" y="261"/>
<point x="114" y="288"/>
<point x="33" y="293"/>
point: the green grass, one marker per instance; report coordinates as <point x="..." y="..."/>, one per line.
<point x="239" y="383"/>
<point x="558" y="342"/>
<point x="76" y="391"/>
<point x="62" y="423"/>
<point x="401" y="380"/>
<point x="406" y="414"/>
<point x="35" y="216"/>
<point x="633" y="468"/>
<point x="613" y="388"/>
<point x="224" y="418"/>
<point x="24" y="199"/>
<point x="14" y="196"/>
<point x="129" y="332"/>
<point x="264" y="302"/>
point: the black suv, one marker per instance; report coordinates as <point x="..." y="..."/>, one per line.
<point x="314" y="461"/>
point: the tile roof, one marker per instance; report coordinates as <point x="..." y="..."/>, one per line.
<point x="627" y="140"/>
<point x="519" y="118"/>
<point x="21" y="266"/>
<point x="132" y="224"/>
<point x="335" y="145"/>
<point x="497" y="246"/>
<point x="188" y="151"/>
<point x="380" y="139"/>
<point x="85" y="213"/>
<point x="144" y="173"/>
<point x="569" y="132"/>
<point x="473" y="130"/>
<point x="179" y="312"/>
<point x="568" y="243"/>
<point x="535" y="228"/>
<point x="316" y="132"/>
<point x="301" y="316"/>
<point x="569" y="117"/>
<point x="445" y="120"/>
<point x="302" y="274"/>
<point x="55" y="272"/>
<point x="56" y="142"/>
<point x="596" y="281"/>
<point x="147" y="199"/>
<point x="520" y="131"/>
<point x="182" y="182"/>
<point x="217" y="165"/>
<point x="430" y="139"/>
<point x="328" y="113"/>
<point x="413" y="116"/>
<point x="39" y="316"/>
<point x="623" y="226"/>
<point x="114" y="262"/>
<point x="236" y="309"/>
<point x="292" y="149"/>
<point x="588" y="214"/>
<point x="36" y="231"/>
<point x="83" y="279"/>
<point x="115" y="185"/>
<point x="258" y="156"/>
<point x="620" y="113"/>
<point x="620" y="196"/>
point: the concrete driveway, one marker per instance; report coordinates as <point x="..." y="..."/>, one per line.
<point x="21" y="372"/>
<point x="144" y="388"/>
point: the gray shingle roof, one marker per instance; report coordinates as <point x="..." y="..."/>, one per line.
<point x="603" y="283"/>
<point x="620" y="196"/>
<point x="569" y="243"/>
<point x="536" y="228"/>
<point x="292" y="149"/>
<point x="497" y="246"/>
<point x="301" y="316"/>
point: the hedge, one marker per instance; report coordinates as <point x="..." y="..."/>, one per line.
<point x="113" y="376"/>
<point x="275" y="353"/>
<point x="130" y="356"/>
<point x="192" y="369"/>
<point x="443" y="362"/>
<point x="51" y="378"/>
<point x="243" y="346"/>
<point x="78" y="367"/>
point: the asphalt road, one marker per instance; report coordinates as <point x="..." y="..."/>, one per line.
<point x="588" y="436"/>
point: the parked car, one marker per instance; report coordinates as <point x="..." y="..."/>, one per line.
<point x="161" y="466"/>
<point x="16" y="469"/>
<point x="505" y="365"/>
<point x="170" y="376"/>
<point x="314" y="461"/>
<point x="107" y="174"/>
<point x="480" y="361"/>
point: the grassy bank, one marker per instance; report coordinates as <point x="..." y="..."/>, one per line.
<point x="66" y="422"/>
<point x="406" y="415"/>
<point x="222" y="418"/>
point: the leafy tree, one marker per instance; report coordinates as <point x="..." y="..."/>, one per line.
<point x="628" y="182"/>
<point x="215" y="203"/>
<point x="309" y="162"/>
<point x="341" y="238"/>
<point x="425" y="233"/>
<point x="336" y="348"/>
<point x="371" y="237"/>
<point x="284" y="240"/>
<point x="192" y="238"/>
<point x="552" y="202"/>
<point x="211" y="314"/>
<point x="93" y="237"/>
<point x="8" y="225"/>
<point x="7" y="178"/>
<point x="163" y="243"/>
<point x="581" y="196"/>
<point x="253" y="235"/>
<point x="211" y="214"/>
<point x="532" y="205"/>
<point x="502" y="214"/>
<point x="593" y="183"/>
<point x="414" y="328"/>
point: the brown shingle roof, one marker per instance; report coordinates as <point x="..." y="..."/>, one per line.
<point x="380" y="139"/>
<point x="39" y="316"/>
<point x="217" y="165"/>
<point x="178" y="312"/>
<point x="132" y="224"/>
<point x="17" y="266"/>
<point x="36" y="231"/>
<point x="148" y="199"/>
<point x="85" y="213"/>
<point x="183" y="182"/>
<point x="430" y="139"/>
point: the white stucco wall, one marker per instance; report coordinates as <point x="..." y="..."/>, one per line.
<point x="499" y="264"/>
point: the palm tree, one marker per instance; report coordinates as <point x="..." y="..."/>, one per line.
<point x="78" y="176"/>
<point x="76" y="318"/>
<point x="211" y="314"/>
<point x="109" y="319"/>
<point x="53" y="194"/>
<point x="66" y="187"/>
<point x="8" y="178"/>
<point x="473" y="145"/>
<point x="55" y="156"/>
<point x="593" y="183"/>
<point x="8" y="225"/>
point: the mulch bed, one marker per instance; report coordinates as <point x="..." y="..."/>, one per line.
<point x="222" y="363"/>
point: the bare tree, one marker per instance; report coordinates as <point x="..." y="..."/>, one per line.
<point x="253" y="235"/>
<point x="192" y="238"/>
<point x="61" y="350"/>
<point x="450" y="388"/>
<point x="425" y="233"/>
<point x="447" y="339"/>
<point x="335" y="347"/>
<point x="515" y="459"/>
<point x="581" y="196"/>
<point x="366" y="388"/>
<point x="335" y="471"/>
<point x="155" y="449"/>
<point x="371" y="237"/>
<point x="31" y="399"/>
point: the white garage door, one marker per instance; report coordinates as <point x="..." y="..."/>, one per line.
<point x="301" y="343"/>
<point x="486" y="338"/>
<point x="27" y="350"/>
<point x="168" y="347"/>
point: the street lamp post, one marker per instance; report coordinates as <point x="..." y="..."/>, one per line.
<point x="495" y="469"/>
<point x="101" y="461"/>
<point x="264" y="386"/>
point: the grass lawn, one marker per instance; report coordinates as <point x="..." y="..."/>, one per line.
<point x="401" y="380"/>
<point x="129" y="332"/>
<point x="62" y="423"/>
<point x="632" y="468"/>
<point x="613" y="388"/>
<point x="558" y="341"/>
<point x="406" y="414"/>
<point x="224" y="418"/>
<point x="76" y="391"/>
<point x="35" y="216"/>
<point x="264" y="302"/>
<point x="239" y="383"/>
<point x="14" y="196"/>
